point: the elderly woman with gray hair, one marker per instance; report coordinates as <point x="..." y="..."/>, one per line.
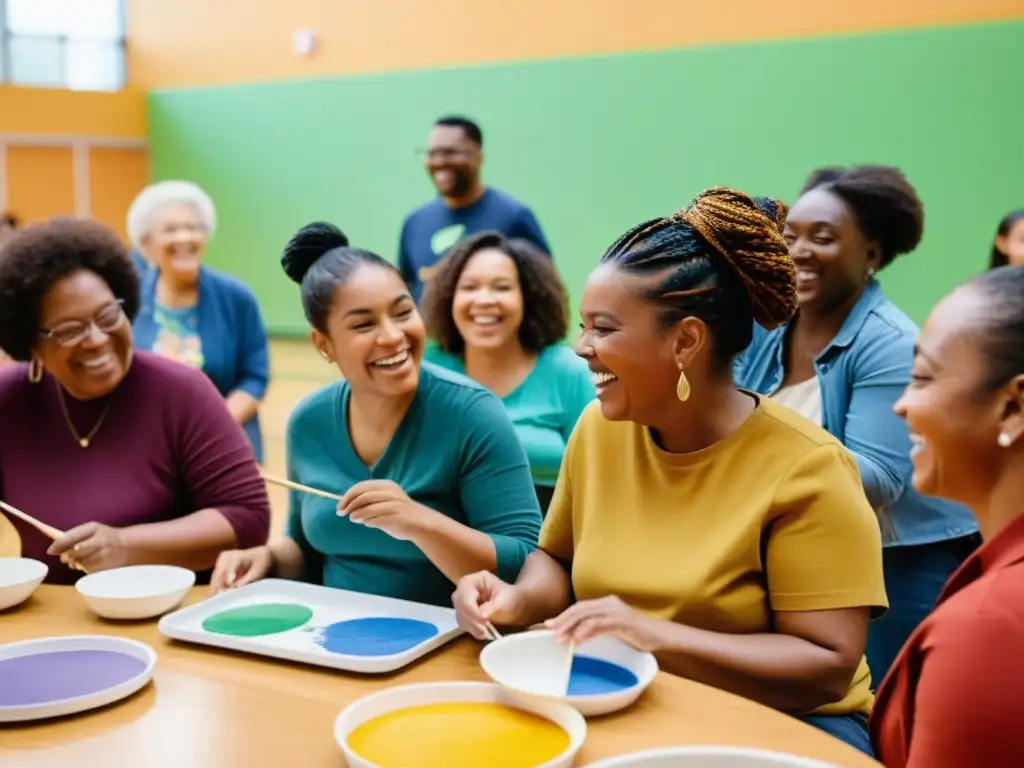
<point x="194" y="314"/>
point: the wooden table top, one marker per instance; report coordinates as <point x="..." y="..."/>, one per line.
<point x="207" y="708"/>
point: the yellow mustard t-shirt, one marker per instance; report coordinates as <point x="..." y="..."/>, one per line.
<point x="774" y="517"/>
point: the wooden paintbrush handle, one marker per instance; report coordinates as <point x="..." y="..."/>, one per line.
<point x="298" y="487"/>
<point x="43" y="528"/>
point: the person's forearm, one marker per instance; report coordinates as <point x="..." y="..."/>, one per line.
<point x="781" y="671"/>
<point x="288" y="560"/>
<point x="545" y="586"/>
<point x="192" y="542"/>
<point x="456" y="549"/>
<point x="242" y="406"/>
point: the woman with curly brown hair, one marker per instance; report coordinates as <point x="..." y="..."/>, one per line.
<point x="498" y="311"/>
<point x="711" y="526"/>
<point x="133" y="456"/>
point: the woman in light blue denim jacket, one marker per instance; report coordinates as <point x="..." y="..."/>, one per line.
<point x="845" y="359"/>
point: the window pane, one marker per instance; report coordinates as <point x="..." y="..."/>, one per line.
<point x="95" y="66"/>
<point x="76" y="18"/>
<point x="37" y="61"/>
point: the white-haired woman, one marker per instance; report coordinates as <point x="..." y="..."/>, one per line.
<point x="194" y="314"/>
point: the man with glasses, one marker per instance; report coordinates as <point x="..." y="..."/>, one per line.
<point x="464" y="206"/>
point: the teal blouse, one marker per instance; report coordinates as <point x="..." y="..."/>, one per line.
<point x="455" y="452"/>
<point x="545" y="407"/>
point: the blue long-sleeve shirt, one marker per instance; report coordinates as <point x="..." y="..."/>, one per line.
<point x="234" y="339"/>
<point x="861" y="373"/>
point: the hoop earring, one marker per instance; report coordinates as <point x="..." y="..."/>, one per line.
<point x="683" y="388"/>
<point x="35" y="370"/>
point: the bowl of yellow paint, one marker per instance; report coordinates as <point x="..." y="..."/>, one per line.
<point x="606" y="674"/>
<point x="708" y="757"/>
<point x="457" y="725"/>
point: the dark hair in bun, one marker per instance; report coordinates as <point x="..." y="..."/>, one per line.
<point x="319" y="259"/>
<point x="885" y="203"/>
<point x="721" y="259"/>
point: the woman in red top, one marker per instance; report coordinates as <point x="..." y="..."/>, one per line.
<point x="955" y="696"/>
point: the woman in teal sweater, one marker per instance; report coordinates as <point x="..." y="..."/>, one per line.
<point x="435" y="483"/>
<point x="498" y="311"/>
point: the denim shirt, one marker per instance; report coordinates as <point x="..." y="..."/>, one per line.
<point x="235" y="348"/>
<point x="861" y="374"/>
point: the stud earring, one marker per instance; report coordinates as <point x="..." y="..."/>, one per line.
<point x="683" y="387"/>
<point x="1004" y="440"/>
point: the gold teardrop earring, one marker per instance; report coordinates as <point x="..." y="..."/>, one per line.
<point x="683" y="387"/>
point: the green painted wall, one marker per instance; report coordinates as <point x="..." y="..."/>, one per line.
<point x="595" y="145"/>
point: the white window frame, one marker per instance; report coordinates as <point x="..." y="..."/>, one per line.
<point x="5" y="51"/>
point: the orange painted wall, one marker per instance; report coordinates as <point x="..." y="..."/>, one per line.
<point x="40" y="182"/>
<point x="206" y="42"/>
<point x="54" y="112"/>
<point x="116" y="176"/>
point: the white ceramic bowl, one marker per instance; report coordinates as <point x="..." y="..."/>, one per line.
<point x="528" y="663"/>
<point x="19" y="577"/>
<point x="418" y="694"/>
<point x="708" y="757"/>
<point x="136" y="591"/>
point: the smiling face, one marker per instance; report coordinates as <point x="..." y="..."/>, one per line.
<point x="88" y="360"/>
<point x="1011" y="244"/>
<point x="374" y="333"/>
<point x="488" y="302"/>
<point x="453" y="161"/>
<point x="176" y="242"/>
<point x="634" y="361"/>
<point x="954" y="420"/>
<point x="830" y="252"/>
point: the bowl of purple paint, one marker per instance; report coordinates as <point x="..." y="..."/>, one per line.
<point x="603" y="674"/>
<point x="58" y="676"/>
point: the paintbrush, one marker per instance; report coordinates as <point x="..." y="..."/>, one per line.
<point x="39" y="525"/>
<point x="43" y="528"/>
<point x="298" y="486"/>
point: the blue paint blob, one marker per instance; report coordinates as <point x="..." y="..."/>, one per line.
<point x="591" y="677"/>
<point x="383" y="636"/>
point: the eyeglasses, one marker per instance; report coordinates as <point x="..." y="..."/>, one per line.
<point x="74" y="332"/>
<point x="442" y="154"/>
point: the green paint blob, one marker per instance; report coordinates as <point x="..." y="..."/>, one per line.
<point x="256" y="620"/>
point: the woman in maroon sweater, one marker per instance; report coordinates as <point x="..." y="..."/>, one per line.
<point x="134" y="457"/>
<point x="954" y="698"/>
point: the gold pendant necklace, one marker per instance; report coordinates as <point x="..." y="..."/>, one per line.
<point x="82" y="441"/>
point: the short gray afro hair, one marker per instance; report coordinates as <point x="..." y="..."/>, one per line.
<point x="163" y="193"/>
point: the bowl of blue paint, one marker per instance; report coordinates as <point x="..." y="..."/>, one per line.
<point x="606" y="674"/>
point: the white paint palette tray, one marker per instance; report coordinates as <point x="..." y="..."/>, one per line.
<point x="310" y="624"/>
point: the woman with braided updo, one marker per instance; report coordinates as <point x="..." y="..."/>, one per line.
<point x="723" y="532"/>
<point x="844" y="360"/>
